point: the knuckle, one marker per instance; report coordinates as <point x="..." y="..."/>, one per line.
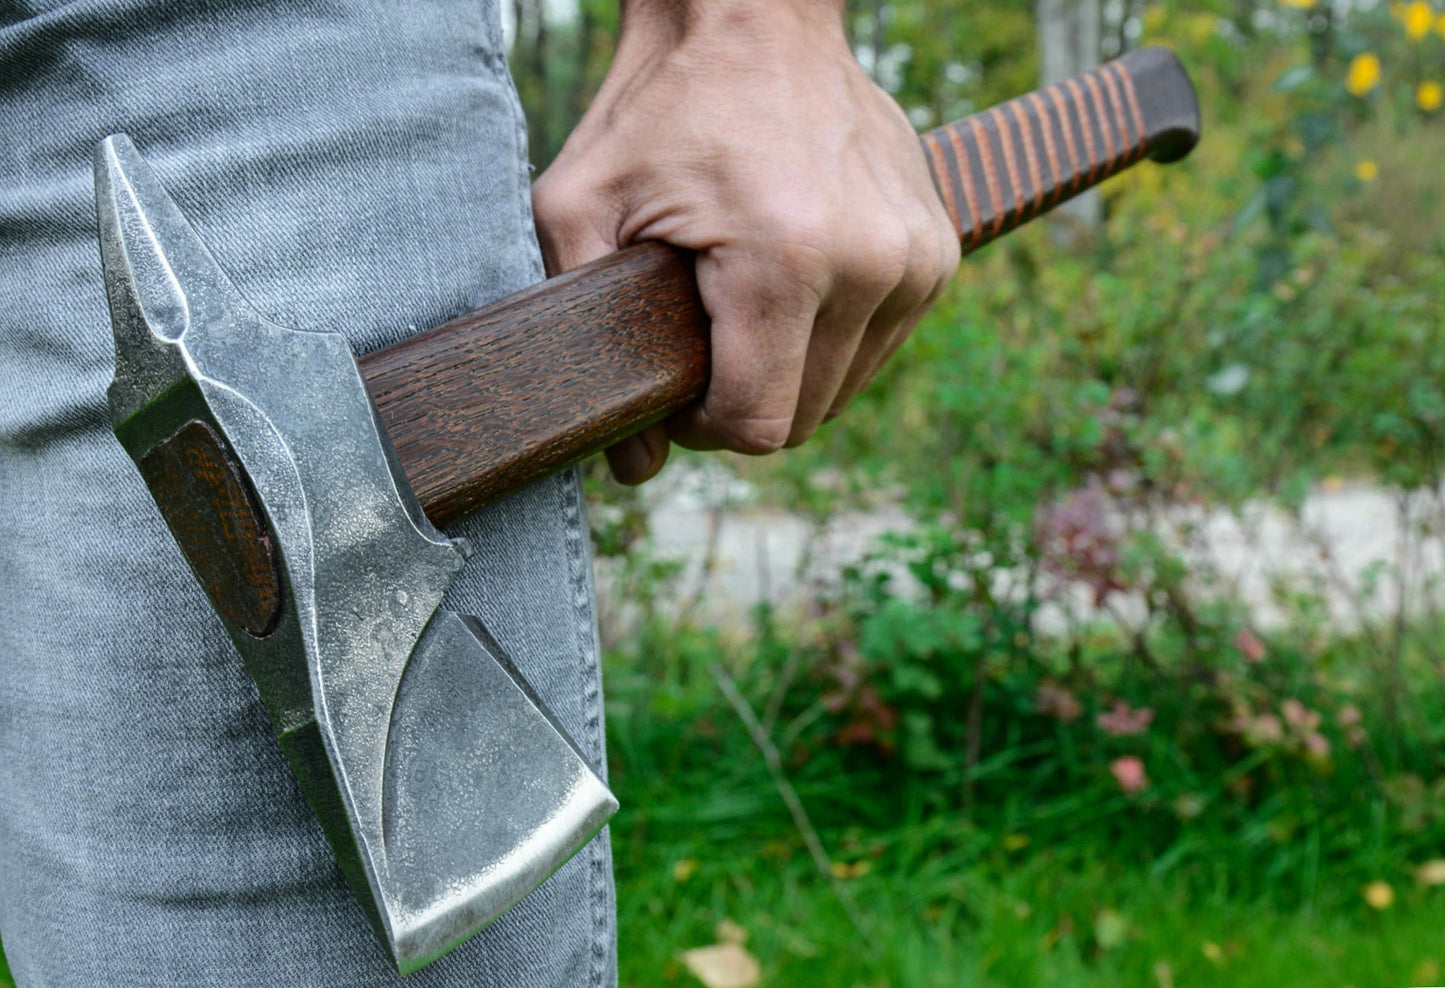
<point x="803" y="254"/>
<point x="554" y="203"/>
<point x="893" y="247"/>
<point x="755" y="436"/>
<point x="950" y="250"/>
<point x="934" y="261"/>
<point x="882" y="262"/>
<point x="799" y="235"/>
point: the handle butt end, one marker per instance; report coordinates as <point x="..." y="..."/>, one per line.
<point x="1168" y="101"/>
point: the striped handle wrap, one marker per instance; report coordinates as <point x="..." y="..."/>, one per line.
<point x="999" y="169"/>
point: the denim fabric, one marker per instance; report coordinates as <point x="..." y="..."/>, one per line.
<point x="357" y="166"/>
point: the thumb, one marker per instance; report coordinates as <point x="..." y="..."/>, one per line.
<point x="575" y="226"/>
<point x="640" y="457"/>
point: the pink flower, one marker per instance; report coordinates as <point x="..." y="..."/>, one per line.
<point x="1264" y="729"/>
<point x="1123" y="721"/>
<point x="1249" y="645"/>
<point x="1317" y="747"/>
<point x="1055" y="701"/>
<point x="1081" y="540"/>
<point x="1352" y="721"/>
<point x="1301" y="719"/>
<point x="1129" y="772"/>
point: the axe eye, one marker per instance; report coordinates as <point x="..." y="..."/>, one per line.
<point x="213" y="515"/>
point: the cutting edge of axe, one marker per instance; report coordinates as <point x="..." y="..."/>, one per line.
<point x="445" y="786"/>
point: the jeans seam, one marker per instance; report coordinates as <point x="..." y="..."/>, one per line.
<point x="579" y="566"/>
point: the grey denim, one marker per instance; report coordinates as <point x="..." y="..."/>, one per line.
<point x="357" y="166"/>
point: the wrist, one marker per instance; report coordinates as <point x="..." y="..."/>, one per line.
<point x="668" y="24"/>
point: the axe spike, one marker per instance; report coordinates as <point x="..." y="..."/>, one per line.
<point x="154" y="261"/>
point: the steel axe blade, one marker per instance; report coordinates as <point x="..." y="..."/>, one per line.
<point x="446" y="788"/>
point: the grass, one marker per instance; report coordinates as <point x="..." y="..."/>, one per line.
<point x="923" y="896"/>
<point x="946" y="921"/>
<point x="933" y="900"/>
<point x="936" y="919"/>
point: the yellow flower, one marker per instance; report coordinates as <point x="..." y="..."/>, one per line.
<point x="1418" y="19"/>
<point x="1379" y="895"/>
<point x="1366" y="170"/>
<point x="1440" y="26"/>
<point x="1364" y="73"/>
<point x="1300" y="4"/>
<point x="1429" y="95"/>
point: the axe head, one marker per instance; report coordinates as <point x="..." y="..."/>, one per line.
<point x="446" y="788"/>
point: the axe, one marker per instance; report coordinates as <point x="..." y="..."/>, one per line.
<point x="306" y="491"/>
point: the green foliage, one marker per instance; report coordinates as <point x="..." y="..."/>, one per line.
<point x="1260" y="319"/>
<point x="557" y="66"/>
<point x="942" y="61"/>
<point x="1242" y="862"/>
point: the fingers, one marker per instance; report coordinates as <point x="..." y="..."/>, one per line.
<point x="847" y="328"/>
<point x="638" y="458"/>
<point x="797" y="333"/>
<point x="763" y="309"/>
<point x="895" y="319"/>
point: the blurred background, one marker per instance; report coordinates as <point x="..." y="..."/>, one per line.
<point x="1100" y="642"/>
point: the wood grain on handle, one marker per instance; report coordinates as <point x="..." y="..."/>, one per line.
<point x="998" y="169"/>
<point x="506" y="395"/>
<point x="495" y="399"/>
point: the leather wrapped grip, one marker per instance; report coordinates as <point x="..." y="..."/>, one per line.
<point x="998" y="169"/>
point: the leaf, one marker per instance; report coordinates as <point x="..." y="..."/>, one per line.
<point x="1111" y="929"/>
<point x="1294" y="78"/>
<point x="723" y="965"/>
<point x="1229" y="381"/>
<point x="1431" y="873"/>
<point x="729" y="932"/>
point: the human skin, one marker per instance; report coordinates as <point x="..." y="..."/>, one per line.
<point x="746" y="131"/>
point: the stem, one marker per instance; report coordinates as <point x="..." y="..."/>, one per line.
<point x="788" y="794"/>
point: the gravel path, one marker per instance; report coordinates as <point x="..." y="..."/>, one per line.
<point x="1346" y="532"/>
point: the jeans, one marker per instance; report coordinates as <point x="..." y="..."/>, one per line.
<point x="357" y="166"/>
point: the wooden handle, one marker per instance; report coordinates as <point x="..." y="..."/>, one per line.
<point x="503" y="396"/>
<point x="999" y="169"/>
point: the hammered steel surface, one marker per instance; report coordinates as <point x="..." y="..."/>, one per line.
<point x="446" y="788"/>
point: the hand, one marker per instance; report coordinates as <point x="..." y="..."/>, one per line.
<point x="746" y="131"/>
